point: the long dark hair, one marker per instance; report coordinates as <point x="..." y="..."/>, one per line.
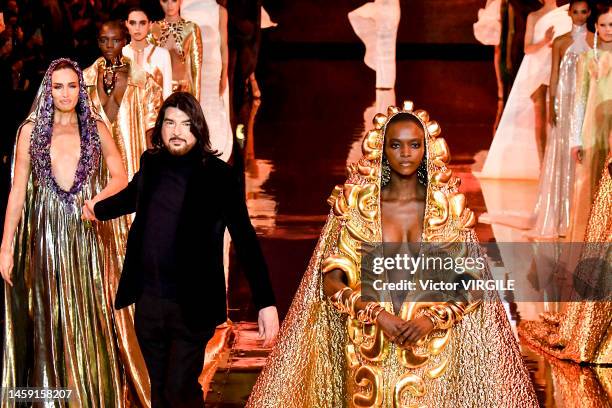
<point x="185" y="102"/>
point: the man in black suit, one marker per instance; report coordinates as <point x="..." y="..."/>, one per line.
<point x="184" y="197"/>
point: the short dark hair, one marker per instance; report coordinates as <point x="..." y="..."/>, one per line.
<point x="115" y="24"/>
<point x="187" y="103"/>
<point x="137" y="8"/>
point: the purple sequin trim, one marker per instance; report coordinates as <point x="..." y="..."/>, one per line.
<point x="40" y="143"/>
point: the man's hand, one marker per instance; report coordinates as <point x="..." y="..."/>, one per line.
<point x="268" y="325"/>
<point x="577" y="153"/>
<point x="88" y="213"/>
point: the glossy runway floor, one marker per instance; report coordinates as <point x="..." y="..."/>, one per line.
<point x="308" y="125"/>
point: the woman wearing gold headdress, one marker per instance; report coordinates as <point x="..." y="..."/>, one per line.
<point x="393" y="353"/>
<point x="184" y="42"/>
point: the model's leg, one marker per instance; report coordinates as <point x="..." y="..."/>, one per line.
<point x="540" y="105"/>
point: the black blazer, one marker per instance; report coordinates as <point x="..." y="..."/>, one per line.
<point x="213" y="200"/>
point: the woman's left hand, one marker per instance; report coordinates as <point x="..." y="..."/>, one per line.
<point x="414" y="331"/>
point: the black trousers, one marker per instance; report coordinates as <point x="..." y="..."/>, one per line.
<point x="173" y="353"/>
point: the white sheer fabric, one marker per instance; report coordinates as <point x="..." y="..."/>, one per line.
<point x="514" y="153"/>
<point x="376" y="23"/>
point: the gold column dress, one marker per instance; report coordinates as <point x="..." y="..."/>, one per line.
<point x="324" y="359"/>
<point x="58" y="329"/>
<point x="137" y="113"/>
<point x="186" y="54"/>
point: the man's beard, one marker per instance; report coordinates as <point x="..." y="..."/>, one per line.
<point x="178" y="150"/>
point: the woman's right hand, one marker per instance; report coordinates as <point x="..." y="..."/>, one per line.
<point x="392" y="326"/>
<point x="6" y="265"/>
<point x="549" y="35"/>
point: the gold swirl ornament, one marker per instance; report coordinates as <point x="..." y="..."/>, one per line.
<point x="440" y="153"/>
<point x="370" y="379"/>
<point x="410" y="383"/>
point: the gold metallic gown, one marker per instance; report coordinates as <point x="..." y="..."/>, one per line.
<point x="58" y="329"/>
<point x="137" y="113"/>
<point x="583" y="331"/>
<point x="324" y="359"/>
<point x="186" y="57"/>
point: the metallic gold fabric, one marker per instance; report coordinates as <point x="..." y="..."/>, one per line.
<point x="58" y="330"/>
<point x="578" y="386"/>
<point x="187" y="59"/>
<point x="583" y="331"/>
<point x="137" y="113"/>
<point x="323" y="359"/>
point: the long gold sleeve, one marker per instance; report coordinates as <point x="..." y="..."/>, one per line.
<point x="152" y="103"/>
<point x="196" y="60"/>
<point x="446" y="315"/>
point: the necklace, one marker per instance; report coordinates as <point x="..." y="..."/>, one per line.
<point x="177" y="30"/>
<point x="110" y="75"/>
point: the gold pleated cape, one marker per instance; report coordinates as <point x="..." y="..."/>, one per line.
<point x="323" y="359"/>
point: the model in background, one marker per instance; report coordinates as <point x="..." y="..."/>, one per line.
<point x="211" y="17"/>
<point x="153" y="59"/>
<point x="592" y="119"/>
<point x="553" y="210"/>
<point x="183" y="40"/>
<point x="126" y="96"/>
<point x="519" y="140"/>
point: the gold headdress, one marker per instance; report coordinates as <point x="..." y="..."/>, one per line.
<point x="357" y="202"/>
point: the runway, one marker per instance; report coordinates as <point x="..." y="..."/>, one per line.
<point x="306" y="129"/>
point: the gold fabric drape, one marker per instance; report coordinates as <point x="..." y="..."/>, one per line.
<point x="320" y="360"/>
<point x="137" y="112"/>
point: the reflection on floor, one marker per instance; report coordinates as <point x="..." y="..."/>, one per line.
<point x="308" y="128"/>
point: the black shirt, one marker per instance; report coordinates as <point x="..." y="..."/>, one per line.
<point x="161" y="222"/>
